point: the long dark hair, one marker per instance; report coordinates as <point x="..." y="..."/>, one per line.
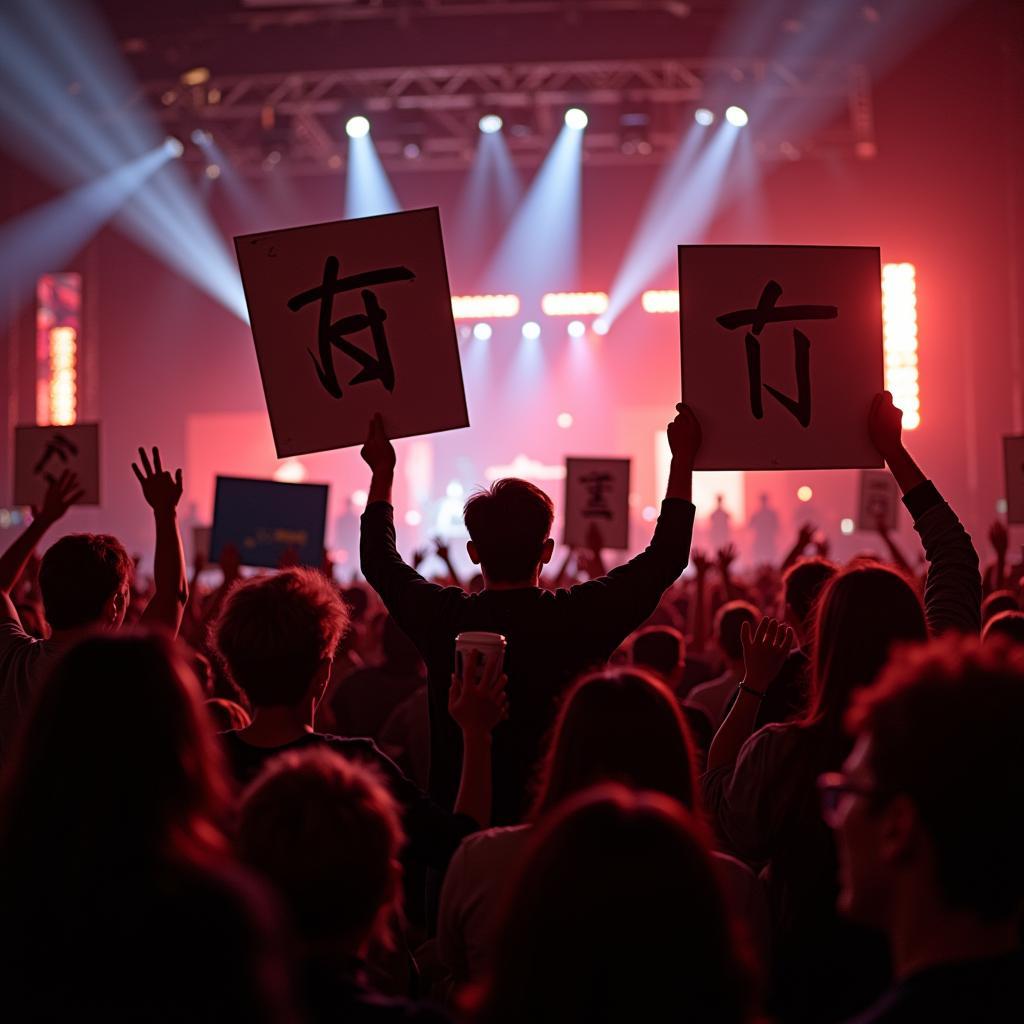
<point x="620" y="725"/>
<point x="616" y="915"/>
<point x="117" y="763"/>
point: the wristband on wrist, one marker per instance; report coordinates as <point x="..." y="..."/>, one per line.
<point x="754" y="693"/>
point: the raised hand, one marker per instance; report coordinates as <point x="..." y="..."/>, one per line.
<point x="477" y="705"/>
<point x="885" y="426"/>
<point x="378" y="452"/>
<point x="61" y="494"/>
<point x="764" y="652"/>
<point x="161" y="490"/>
<point x="684" y="435"/>
<point x="726" y="556"/>
<point x="999" y="538"/>
<point x="822" y="546"/>
<point x="806" y="534"/>
<point x="441" y="548"/>
<point x="700" y="562"/>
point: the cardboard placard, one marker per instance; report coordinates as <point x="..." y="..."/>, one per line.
<point x="597" y="494"/>
<point x="43" y="453"/>
<point x="267" y="520"/>
<point x="781" y="353"/>
<point x="879" y="500"/>
<point x="349" y="319"/>
<point x="1013" y="466"/>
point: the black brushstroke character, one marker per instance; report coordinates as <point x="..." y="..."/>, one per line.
<point x="59" y="446"/>
<point x="597" y="485"/>
<point x="768" y="313"/>
<point x="335" y="335"/>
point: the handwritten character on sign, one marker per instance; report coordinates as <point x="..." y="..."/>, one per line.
<point x="60" y="446"/>
<point x="597" y="485"/>
<point x="767" y="312"/>
<point x="333" y="334"/>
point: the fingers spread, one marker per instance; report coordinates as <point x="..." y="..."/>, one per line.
<point x="135" y="470"/>
<point x="144" y="459"/>
<point x="156" y="460"/>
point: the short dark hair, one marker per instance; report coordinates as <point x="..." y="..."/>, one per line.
<point x="945" y="723"/>
<point x="325" y="832"/>
<point x="661" y="648"/>
<point x="998" y="601"/>
<point x="802" y="584"/>
<point x="78" y="575"/>
<point x="274" y="631"/>
<point x="729" y="621"/>
<point x="509" y="523"/>
<point x="1009" y="625"/>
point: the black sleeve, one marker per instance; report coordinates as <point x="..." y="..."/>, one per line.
<point x="952" y="592"/>
<point x="433" y="833"/>
<point x="625" y="597"/>
<point x="416" y="604"/>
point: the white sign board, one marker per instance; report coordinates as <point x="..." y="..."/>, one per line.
<point x="349" y="319"/>
<point x="781" y="353"/>
<point x="1013" y="464"/>
<point x="597" y="496"/>
<point x="41" y="454"/>
<point x="879" y="500"/>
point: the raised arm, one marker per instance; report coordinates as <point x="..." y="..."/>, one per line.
<point x="952" y="593"/>
<point x="162" y="492"/>
<point x="61" y="494"/>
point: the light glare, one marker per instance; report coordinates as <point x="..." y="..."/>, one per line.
<point x="357" y="127"/>
<point x="490" y="123"/>
<point x="846" y="526"/>
<point x="531" y="329"/>
<point x="804" y="493"/>
<point x="703" y="116"/>
<point x="482" y="332"/>
<point x="576" y="328"/>
<point x="736" y="116"/>
<point x="576" y="119"/>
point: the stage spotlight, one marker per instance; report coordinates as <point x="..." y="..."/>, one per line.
<point x="576" y="118"/>
<point x="600" y="326"/>
<point x="356" y="127"/>
<point x="576" y="328"/>
<point x="846" y="526"/>
<point x="736" y="116"/>
<point x="413" y="518"/>
<point x="213" y="171"/>
<point x="804" y="493"/>
<point x="175" y="147"/>
<point x="531" y="329"/>
<point x="490" y="123"/>
<point x="411" y="151"/>
<point x="482" y="332"/>
<point x="200" y="137"/>
<point x="564" y="420"/>
<point x="703" y="116"/>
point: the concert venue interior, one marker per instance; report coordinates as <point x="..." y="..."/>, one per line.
<point x="140" y="138"/>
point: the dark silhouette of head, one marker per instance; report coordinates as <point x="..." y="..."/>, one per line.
<point x="509" y="525"/>
<point x="802" y="585"/>
<point x="277" y="636"/>
<point x="591" y="744"/>
<point x="940" y="757"/>
<point x="116" y="763"/>
<point x="864" y="611"/>
<point x="1008" y="625"/>
<point x="998" y="601"/>
<point x="616" y="915"/>
<point x="661" y="648"/>
<point x="85" y="580"/>
<point x="326" y="833"/>
<point x="729" y="621"/>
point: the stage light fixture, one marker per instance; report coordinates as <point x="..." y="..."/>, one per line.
<point x="703" y="116"/>
<point x="531" y="330"/>
<point x="564" y="420"/>
<point x="600" y="326"/>
<point x="846" y="526"/>
<point x="413" y="518"/>
<point x="736" y="116"/>
<point x="482" y="332"/>
<point x="201" y="137"/>
<point x="657" y="300"/>
<point x="804" y="493"/>
<point x="574" y="303"/>
<point x="174" y="146"/>
<point x="576" y="119"/>
<point x="357" y="127"/>
<point x="490" y="123"/>
<point x="479" y="307"/>
<point x="899" y="335"/>
<point x="576" y="328"/>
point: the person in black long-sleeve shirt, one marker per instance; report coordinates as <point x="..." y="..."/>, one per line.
<point x="552" y="636"/>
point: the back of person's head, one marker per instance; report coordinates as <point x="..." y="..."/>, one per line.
<point x="509" y="523"/>
<point x="616" y="915"/>
<point x="943" y="725"/>
<point x="998" y="601"/>
<point x="399" y="652"/>
<point x="326" y="833"/>
<point x="357" y="600"/>
<point x="84" y="580"/>
<point x="620" y="725"/>
<point x="276" y="632"/>
<point x="802" y="585"/>
<point x="661" y="648"/>
<point x="116" y="763"/>
<point x="864" y="611"/>
<point x="1007" y="625"/>
<point x="729" y="621"/>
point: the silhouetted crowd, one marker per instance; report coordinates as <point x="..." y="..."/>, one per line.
<point x="794" y="793"/>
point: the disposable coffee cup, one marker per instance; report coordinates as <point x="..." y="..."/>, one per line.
<point x="490" y="648"/>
